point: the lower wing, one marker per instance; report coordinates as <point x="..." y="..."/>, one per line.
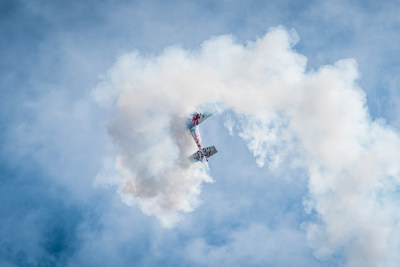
<point x="199" y="155"/>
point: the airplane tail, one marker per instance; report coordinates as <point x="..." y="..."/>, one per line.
<point x="203" y="155"/>
<point x="198" y="118"/>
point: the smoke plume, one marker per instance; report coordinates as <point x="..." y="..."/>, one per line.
<point x="279" y="108"/>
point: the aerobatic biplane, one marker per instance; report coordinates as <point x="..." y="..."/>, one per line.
<point x="203" y="153"/>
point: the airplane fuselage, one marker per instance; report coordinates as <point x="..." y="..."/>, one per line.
<point x="203" y="153"/>
<point x="194" y="130"/>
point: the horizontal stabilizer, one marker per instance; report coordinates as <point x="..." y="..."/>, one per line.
<point x="198" y="118"/>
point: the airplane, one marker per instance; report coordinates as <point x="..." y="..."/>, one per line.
<point x="202" y="154"/>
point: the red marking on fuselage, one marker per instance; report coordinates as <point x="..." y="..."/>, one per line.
<point x="196" y="137"/>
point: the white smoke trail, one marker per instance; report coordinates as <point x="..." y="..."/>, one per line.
<point x="352" y="161"/>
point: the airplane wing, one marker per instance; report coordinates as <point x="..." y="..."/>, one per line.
<point x="207" y="152"/>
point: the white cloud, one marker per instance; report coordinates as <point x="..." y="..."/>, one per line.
<point x="256" y="245"/>
<point x="280" y="108"/>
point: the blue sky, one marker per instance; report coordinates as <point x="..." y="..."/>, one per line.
<point x="61" y="197"/>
